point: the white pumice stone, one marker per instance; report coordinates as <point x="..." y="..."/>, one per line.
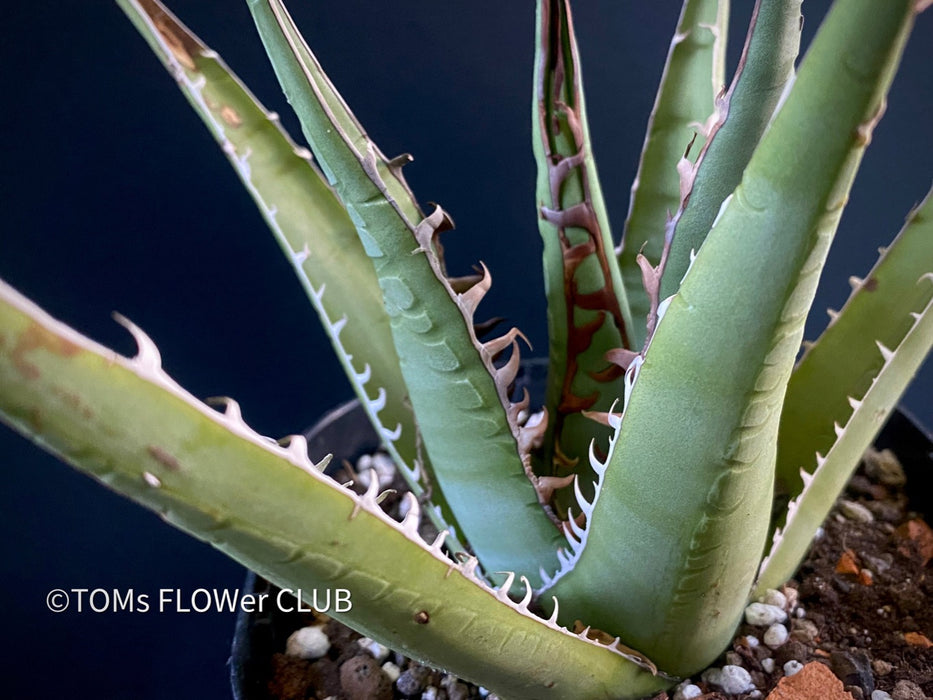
<point x="686" y="691"/>
<point x="734" y="679"/>
<point x="364" y="476"/>
<point x="379" y="464"/>
<point x="776" y="635"/>
<point x="764" y="615"/>
<point x="775" y="598"/>
<point x="752" y="641"/>
<point x="880" y="695"/>
<point x="385" y="468"/>
<point x="307" y="643"/>
<point x="380" y="653"/>
<point x="364" y="464"/>
<point x="403" y="507"/>
<point x="430" y="693"/>
<point x="791" y="667"/>
<point x="767" y="665"/>
<point x="856" y="511"/>
<point x="391" y="670"/>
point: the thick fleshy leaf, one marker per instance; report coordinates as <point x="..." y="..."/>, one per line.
<point x="471" y="430"/>
<point x="309" y="223"/>
<point x="844" y="361"/>
<point x="848" y="382"/>
<point x="128" y="424"/>
<point x="765" y="71"/>
<point x="689" y="478"/>
<point x="693" y="76"/>
<point x="587" y="310"/>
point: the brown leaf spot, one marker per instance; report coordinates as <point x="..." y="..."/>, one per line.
<point x="163" y="457"/>
<point x="870" y="284"/>
<point x="230" y="116"/>
<point x="34" y="338"/>
<point x="422" y="617"/>
<point x="175" y="43"/>
<point x="73" y="401"/>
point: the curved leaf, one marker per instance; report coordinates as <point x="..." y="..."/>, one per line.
<point x="471" y="430"/>
<point x="310" y="224"/>
<point x="689" y="480"/>
<point x="128" y="424"/>
<point x="852" y="376"/>
<point x="765" y="71"/>
<point x="588" y="313"/>
<point x="692" y="77"/>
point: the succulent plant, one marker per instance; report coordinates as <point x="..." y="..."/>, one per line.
<point x="605" y="543"/>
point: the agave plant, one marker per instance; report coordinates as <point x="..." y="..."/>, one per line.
<point x="601" y="545"/>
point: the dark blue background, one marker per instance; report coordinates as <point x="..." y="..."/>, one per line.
<point x="116" y="198"/>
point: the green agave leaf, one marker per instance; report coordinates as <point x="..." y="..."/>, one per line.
<point x="689" y="477"/>
<point x="852" y="376"/>
<point x="587" y="310"/>
<point x="311" y="226"/>
<point x="765" y="70"/>
<point x="128" y="424"/>
<point x="808" y="511"/>
<point x="471" y="430"/>
<point x="844" y="361"/>
<point x="693" y="76"/>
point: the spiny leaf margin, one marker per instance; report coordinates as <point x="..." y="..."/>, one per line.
<point x="128" y="424"/>
<point x="691" y="507"/>
<point x="311" y="227"/>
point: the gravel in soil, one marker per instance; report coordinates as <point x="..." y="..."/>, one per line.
<point x="858" y="607"/>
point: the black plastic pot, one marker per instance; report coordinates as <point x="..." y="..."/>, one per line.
<point x="347" y="434"/>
